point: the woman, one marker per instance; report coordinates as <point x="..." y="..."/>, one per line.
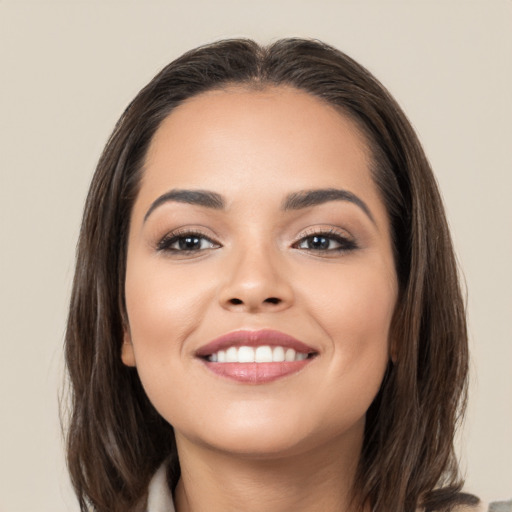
<point x="266" y="313"/>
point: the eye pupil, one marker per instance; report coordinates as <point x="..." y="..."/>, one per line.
<point x="189" y="242"/>
<point x="319" y="242"/>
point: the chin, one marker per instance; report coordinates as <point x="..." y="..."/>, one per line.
<point x="262" y="445"/>
<point x="273" y="439"/>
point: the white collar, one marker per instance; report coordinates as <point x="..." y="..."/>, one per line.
<point x="159" y="495"/>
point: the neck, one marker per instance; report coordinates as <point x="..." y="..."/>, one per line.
<point x="321" y="479"/>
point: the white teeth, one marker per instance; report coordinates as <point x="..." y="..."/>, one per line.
<point x="231" y="355"/>
<point x="263" y="354"/>
<point x="278" y="354"/>
<point x="246" y="355"/>
<point x="289" y="354"/>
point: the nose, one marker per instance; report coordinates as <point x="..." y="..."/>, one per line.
<point x="256" y="281"/>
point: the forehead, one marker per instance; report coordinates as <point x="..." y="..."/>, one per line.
<point x="270" y="139"/>
<point x="283" y="114"/>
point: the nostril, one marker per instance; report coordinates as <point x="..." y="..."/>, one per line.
<point x="269" y="300"/>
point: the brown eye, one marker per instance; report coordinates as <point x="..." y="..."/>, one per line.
<point x="186" y="242"/>
<point x="325" y="242"/>
<point x="317" y="243"/>
<point x="189" y="243"/>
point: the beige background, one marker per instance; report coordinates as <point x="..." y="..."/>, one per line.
<point x="68" y="69"/>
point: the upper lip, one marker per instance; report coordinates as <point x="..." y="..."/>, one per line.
<point x="249" y="338"/>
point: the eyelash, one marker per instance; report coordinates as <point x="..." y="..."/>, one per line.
<point x="345" y="243"/>
<point x="166" y="243"/>
<point x="175" y="237"/>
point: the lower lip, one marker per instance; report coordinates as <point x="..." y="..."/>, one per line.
<point x="256" y="373"/>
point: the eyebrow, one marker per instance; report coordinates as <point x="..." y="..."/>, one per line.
<point x="295" y="201"/>
<point x="308" y="198"/>
<point x="195" y="197"/>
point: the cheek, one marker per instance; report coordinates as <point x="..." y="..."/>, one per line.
<point x="355" y="312"/>
<point x="162" y="305"/>
<point x="164" y="308"/>
<point x="358" y="301"/>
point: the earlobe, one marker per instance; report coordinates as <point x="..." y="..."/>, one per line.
<point x="127" y="353"/>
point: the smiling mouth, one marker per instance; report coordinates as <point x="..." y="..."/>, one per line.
<point x="256" y="356"/>
<point x="261" y="354"/>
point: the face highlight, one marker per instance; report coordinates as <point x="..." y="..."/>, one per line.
<point x="260" y="280"/>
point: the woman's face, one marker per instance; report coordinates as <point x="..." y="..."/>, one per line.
<point x="258" y="232"/>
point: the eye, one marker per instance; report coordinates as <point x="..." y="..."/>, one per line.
<point x="327" y="242"/>
<point x="186" y="243"/>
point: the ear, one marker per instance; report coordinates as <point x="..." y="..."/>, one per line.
<point x="127" y="353"/>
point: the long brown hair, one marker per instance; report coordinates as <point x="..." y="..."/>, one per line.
<point x="116" y="439"/>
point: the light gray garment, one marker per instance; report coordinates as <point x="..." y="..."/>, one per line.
<point x="159" y="494"/>
<point x="501" y="506"/>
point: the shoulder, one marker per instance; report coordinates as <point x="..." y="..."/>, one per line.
<point x="482" y="506"/>
<point x="496" y="506"/>
<point x="501" y="506"/>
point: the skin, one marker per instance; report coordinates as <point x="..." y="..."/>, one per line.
<point x="294" y="443"/>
